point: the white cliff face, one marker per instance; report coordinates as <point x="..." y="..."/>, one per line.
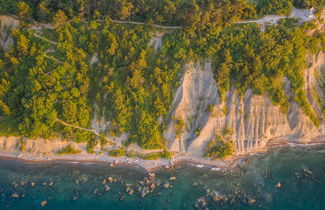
<point x="193" y="98"/>
<point x="253" y="119"/>
<point x="6" y="24"/>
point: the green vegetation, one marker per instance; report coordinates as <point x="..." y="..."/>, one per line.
<point x="22" y="145"/>
<point x="69" y="150"/>
<point x="151" y="156"/>
<point x="48" y="78"/>
<point x="221" y="146"/>
<point x="117" y="152"/>
<point x="179" y="127"/>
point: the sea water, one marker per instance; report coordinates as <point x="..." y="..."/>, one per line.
<point x="284" y="178"/>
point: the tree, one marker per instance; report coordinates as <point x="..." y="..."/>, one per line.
<point x="59" y="18"/>
<point x="124" y="9"/>
<point x="23" y="9"/>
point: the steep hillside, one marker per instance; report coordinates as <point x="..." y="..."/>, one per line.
<point x="215" y="85"/>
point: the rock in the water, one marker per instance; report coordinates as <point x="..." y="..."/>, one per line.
<point x="44" y="203"/>
<point x="110" y="179"/>
<point x="166" y="185"/>
<point x="217" y="197"/>
<point x="107" y="188"/>
<point x="15" y="195"/>
<point x="278" y="185"/>
<point x="131" y="192"/>
<point x="173" y="178"/>
<point x="122" y="198"/>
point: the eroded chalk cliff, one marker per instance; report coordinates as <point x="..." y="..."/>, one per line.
<point x="253" y="119"/>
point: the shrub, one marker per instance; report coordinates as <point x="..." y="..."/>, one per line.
<point x="220" y="147"/>
<point x="117" y="152"/>
<point x="69" y="150"/>
<point x="91" y="145"/>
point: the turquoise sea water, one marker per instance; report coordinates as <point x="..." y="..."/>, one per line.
<point x="300" y="171"/>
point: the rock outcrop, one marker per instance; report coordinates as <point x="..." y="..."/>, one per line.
<point x="6" y="24"/>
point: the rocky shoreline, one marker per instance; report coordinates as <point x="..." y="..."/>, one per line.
<point x="150" y="165"/>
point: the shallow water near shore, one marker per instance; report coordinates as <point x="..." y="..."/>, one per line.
<point x="284" y="178"/>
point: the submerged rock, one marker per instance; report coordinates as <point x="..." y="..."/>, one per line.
<point x="111" y="179"/>
<point x="306" y="171"/>
<point x="131" y="192"/>
<point x="251" y="201"/>
<point x="122" y="198"/>
<point x="107" y="188"/>
<point x="201" y="202"/>
<point x="166" y="185"/>
<point x="15" y="195"/>
<point x="218" y="197"/>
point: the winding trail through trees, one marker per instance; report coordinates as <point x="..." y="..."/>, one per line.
<point x="39" y="26"/>
<point x="84" y="129"/>
<point x="43" y="38"/>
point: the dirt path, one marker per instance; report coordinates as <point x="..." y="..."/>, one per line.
<point x="85" y="129"/>
<point x="302" y="15"/>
